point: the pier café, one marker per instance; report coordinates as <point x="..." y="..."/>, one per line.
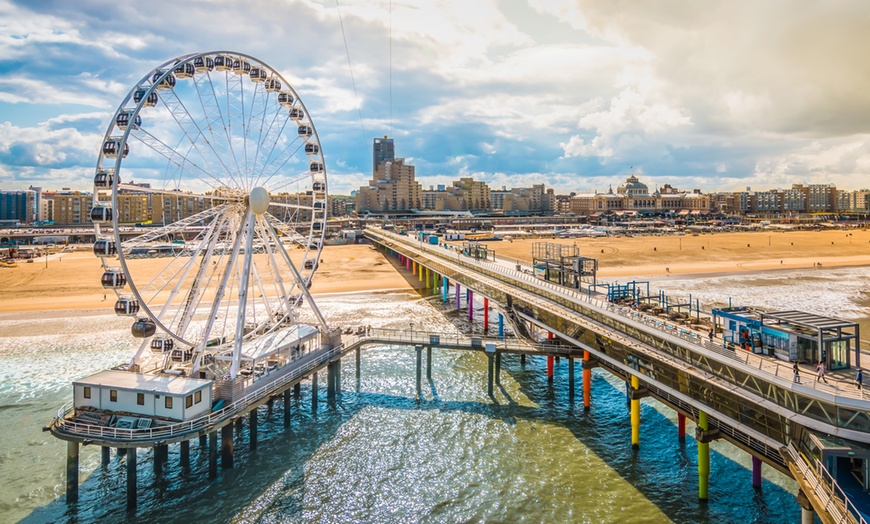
<point x="791" y="335"/>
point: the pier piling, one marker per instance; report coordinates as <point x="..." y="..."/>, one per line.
<point x="681" y="427"/>
<point x="458" y="296"/>
<point x="500" y="326"/>
<point x="571" y="378"/>
<point x="227" y="446"/>
<point x="72" y="472"/>
<point x="358" y="363"/>
<point x="587" y="381"/>
<point x="131" y="479"/>
<point x="498" y="367"/>
<point x="429" y="363"/>
<point x="314" y="392"/>
<point x="203" y="441"/>
<point x="287" y="409"/>
<point x="490" y="365"/>
<point x="419" y="351"/>
<point x="212" y="455"/>
<point x="252" y="428"/>
<point x="550" y="368"/>
<point x="703" y="459"/>
<point x="485" y="314"/>
<point x="756" y="472"/>
<point x="105" y="456"/>
<point x="635" y="414"/>
<point x="184" y="454"/>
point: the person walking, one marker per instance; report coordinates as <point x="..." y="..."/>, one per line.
<point x="710" y="335"/>
<point x="821" y="373"/>
<point x="859" y="378"/>
<point x="797" y="373"/>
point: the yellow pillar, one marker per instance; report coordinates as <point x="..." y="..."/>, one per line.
<point x="703" y="459"/>
<point x="635" y="414"/>
<point x="420" y="272"/>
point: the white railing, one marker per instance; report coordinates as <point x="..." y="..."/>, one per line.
<point x="772" y="367"/>
<point x="826" y="489"/>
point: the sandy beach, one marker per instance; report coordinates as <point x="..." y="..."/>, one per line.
<point x="72" y="280"/>
<point x="711" y="253"/>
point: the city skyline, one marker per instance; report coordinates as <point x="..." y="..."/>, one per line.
<point x="576" y="95"/>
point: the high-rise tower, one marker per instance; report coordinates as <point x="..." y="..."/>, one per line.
<point x="382" y="151"/>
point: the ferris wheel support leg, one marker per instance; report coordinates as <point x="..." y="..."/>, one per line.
<point x="243" y="292"/>
<point x="299" y="279"/>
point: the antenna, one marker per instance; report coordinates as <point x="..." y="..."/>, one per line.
<point x="391" y="67"/>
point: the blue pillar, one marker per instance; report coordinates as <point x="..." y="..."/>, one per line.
<point x="500" y="326"/>
<point x="444" y="284"/>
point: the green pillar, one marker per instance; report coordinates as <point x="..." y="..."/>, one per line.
<point x="703" y="460"/>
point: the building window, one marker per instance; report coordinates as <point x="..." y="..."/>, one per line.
<point x="188" y="401"/>
<point x="168" y="402"/>
<point x="140" y="399"/>
<point x="197" y="397"/>
<point x="87" y="392"/>
<point x="113" y="395"/>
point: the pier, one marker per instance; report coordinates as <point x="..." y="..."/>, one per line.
<point x="751" y="401"/>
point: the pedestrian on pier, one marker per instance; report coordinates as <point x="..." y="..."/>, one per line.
<point x="859" y="378"/>
<point x="710" y="335"/>
<point x="821" y="370"/>
<point x="797" y="373"/>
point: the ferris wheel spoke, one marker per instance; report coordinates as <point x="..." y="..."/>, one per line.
<point x="215" y="118"/>
<point x="275" y="165"/>
<point x="269" y="140"/>
<point x="176" y="227"/>
<point x="302" y="283"/>
<point x="268" y="241"/>
<point x="176" y="158"/>
<point x="193" y="132"/>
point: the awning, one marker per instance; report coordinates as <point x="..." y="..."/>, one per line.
<point x="272" y="343"/>
<point x="684" y="211"/>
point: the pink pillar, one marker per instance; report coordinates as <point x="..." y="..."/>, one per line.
<point x="681" y="427"/>
<point x="485" y="314"/>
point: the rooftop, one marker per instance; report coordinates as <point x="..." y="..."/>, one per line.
<point x="127" y="380"/>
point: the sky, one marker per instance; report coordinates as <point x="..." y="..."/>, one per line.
<point x="576" y="94"/>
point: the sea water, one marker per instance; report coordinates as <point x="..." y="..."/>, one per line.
<point x="378" y="453"/>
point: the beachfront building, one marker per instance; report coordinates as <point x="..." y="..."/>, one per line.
<point x="465" y="194"/>
<point x="532" y="200"/>
<point x="167" y="208"/>
<point x="383" y="150"/>
<point x="859" y="201"/>
<point x="633" y="197"/>
<point x="72" y="207"/>
<point x="393" y="188"/>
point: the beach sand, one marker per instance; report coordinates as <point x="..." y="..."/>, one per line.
<point x="711" y="253"/>
<point x="72" y="280"/>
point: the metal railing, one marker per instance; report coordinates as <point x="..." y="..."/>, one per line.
<point x="835" y="501"/>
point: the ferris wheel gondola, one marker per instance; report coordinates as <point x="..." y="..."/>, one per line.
<point x="238" y="193"/>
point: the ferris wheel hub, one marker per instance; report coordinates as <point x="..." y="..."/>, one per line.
<point x="258" y="200"/>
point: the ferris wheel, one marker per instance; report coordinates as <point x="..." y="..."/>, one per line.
<point x="210" y="207"/>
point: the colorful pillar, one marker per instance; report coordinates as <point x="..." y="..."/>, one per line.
<point x="500" y="326"/>
<point x="635" y="415"/>
<point x="458" y="296"/>
<point x="550" y="365"/>
<point x="485" y="314"/>
<point x="756" y="472"/>
<point x="434" y="281"/>
<point x="470" y="304"/>
<point x="681" y="427"/>
<point x="587" y="382"/>
<point x="444" y="284"/>
<point x="703" y="459"/>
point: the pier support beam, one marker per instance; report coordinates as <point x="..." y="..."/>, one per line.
<point x="587" y="381"/>
<point x="490" y="365"/>
<point x="485" y="314"/>
<point x="703" y="459"/>
<point x="203" y="441"/>
<point x="358" y="362"/>
<point x="252" y="428"/>
<point x="131" y="479"/>
<point x="159" y="451"/>
<point x="445" y="285"/>
<point x="500" y="326"/>
<point x="681" y="427"/>
<point x="212" y="455"/>
<point x="314" y="392"/>
<point x="571" y="377"/>
<point x="635" y="414"/>
<point x="756" y="472"/>
<point x="330" y="380"/>
<point x="458" y="296"/>
<point x="523" y="360"/>
<point x="807" y="513"/>
<point x="105" y="456"/>
<point x="297" y="390"/>
<point x="184" y="454"/>
<point x="72" y="472"/>
<point x="498" y="367"/>
<point x="470" y="304"/>
<point x="550" y="368"/>
<point x="227" y="446"/>
<point x="429" y="363"/>
<point x="419" y="351"/>
<point x="287" y="409"/>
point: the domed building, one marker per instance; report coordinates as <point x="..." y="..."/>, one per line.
<point x="632" y="187"/>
